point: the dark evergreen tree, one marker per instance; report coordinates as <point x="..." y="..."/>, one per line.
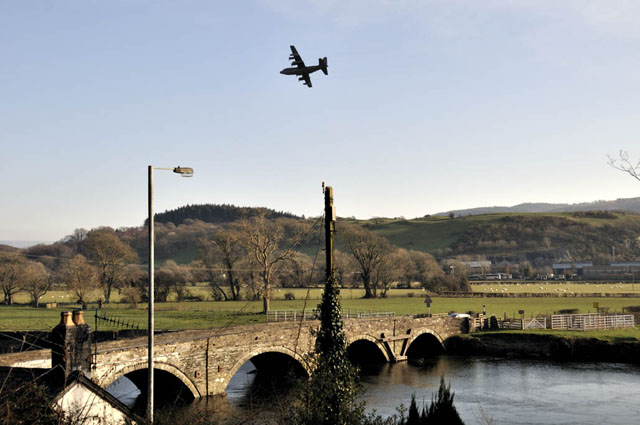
<point x="414" y="415"/>
<point x="442" y="411"/>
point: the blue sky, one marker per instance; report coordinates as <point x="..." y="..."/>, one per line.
<point x="428" y="106"/>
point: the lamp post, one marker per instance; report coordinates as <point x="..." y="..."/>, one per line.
<point x="184" y="172"/>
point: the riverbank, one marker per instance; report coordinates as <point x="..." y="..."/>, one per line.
<point x="544" y="346"/>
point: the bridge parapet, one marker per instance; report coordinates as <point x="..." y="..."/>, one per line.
<point x="204" y="361"/>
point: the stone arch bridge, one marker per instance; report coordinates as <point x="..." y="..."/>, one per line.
<point x="205" y="361"/>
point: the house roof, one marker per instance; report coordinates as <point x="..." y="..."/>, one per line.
<point x="79" y="378"/>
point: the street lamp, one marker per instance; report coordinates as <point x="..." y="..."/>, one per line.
<point x="184" y="172"/>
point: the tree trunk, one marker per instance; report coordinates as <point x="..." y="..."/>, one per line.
<point x="107" y="294"/>
<point x="234" y="293"/>
<point x="236" y="285"/>
<point x="366" y="281"/>
<point x="266" y="294"/>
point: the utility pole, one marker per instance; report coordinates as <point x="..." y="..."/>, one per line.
<point x="151" y="325"/>
<point x="329" y="227"/>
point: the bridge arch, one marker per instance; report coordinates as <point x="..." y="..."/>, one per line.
<point x="167" y="367"/>
<point x="370" y="341"/>
<point x="267" y="350"/>
<point x="424" y="337"/>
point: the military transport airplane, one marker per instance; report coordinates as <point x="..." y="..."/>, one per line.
<point x="299" y="68"/>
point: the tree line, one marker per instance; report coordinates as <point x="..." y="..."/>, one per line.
<point x="216" y="213"/>
<point x="244" y="259"/>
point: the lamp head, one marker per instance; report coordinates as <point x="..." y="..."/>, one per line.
<point x="184" y="171"/>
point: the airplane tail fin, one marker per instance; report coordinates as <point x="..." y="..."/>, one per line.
<point x="322" y="62"/>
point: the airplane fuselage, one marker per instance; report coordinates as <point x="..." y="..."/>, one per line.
<point x="300" y="71"/>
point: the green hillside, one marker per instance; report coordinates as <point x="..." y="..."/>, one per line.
<point x="577" y="236"/>
<point x="585" y="235"/>
<point x="428" y="234"/>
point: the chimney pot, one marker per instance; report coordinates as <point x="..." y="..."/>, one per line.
<point x="78" y="318"/>
<point x="65" y="319"/>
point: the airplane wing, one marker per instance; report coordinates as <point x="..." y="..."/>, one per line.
<point x="307" y="80"/>
<point x="295" y="58"/>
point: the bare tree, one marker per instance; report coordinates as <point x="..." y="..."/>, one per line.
<point x="135" y="284"/>
<point x="345" y="269"/>
<point x="77" y="236"/>
<point x="297" y="271"/>
<point x="426" y="269"/>
<point x="248" y="275"/>
<point x="171" y="277"/>
<point x="110" y="255"/>
<point x="368" y="250"/>
<point x="263" y="239"/>
<point x="225" y="249"/>
<point x="403" y="267"/>
<point x="210" y="260"/>
<point x="623" y="163"/>
<point x="12" y="267"/>
<point x="36" y="281"/>
<point x="81" y="278"/>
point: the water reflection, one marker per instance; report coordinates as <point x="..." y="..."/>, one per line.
<point x="514" y="391"/>
<point x="509" y="391"/>
<point x="125" y="391"/>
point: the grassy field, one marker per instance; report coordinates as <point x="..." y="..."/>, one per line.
<point x="544" y="287"/>
<point x="206" y="314"/>
<point x="203" y="292"/>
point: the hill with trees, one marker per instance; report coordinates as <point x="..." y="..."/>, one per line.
<point x="216" y="213"/>
<point x="621" y="204"/>
<point x="243" y="253"/>
<point x="577" y="236"/>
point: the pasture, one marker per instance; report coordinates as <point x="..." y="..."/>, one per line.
<point x="550" y="287"/>
<point x="209" y="314"/>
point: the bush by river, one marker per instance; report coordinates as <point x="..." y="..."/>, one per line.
<point x="555" y="347"/>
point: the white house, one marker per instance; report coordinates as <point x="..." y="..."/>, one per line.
<point x="86" y="402"/>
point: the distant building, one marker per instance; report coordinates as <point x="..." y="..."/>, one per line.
<point x="570" y="268"/>
<point x="477" y="267"/>
<point x="622" y="270"/>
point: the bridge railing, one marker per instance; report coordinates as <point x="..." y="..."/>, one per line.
<point x="347" y="313"/>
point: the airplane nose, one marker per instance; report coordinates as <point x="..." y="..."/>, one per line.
<point x="282" y="72"/>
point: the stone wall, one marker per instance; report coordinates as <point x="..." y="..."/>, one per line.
<point x="205" y="361"/>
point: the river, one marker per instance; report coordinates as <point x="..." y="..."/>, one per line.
<point x="493" y="390"/>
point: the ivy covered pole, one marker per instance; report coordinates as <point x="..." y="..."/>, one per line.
<point x="334" y="378"/>
<point x="329" y="229"/>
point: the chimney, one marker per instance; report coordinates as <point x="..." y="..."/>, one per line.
<point x="70" y="346"/>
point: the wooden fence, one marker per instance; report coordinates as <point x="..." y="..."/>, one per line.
<point x="480" y="323"/>
<point x="591" y="321"/>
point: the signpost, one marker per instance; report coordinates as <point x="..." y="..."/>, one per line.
<point x="427" y="301"/>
